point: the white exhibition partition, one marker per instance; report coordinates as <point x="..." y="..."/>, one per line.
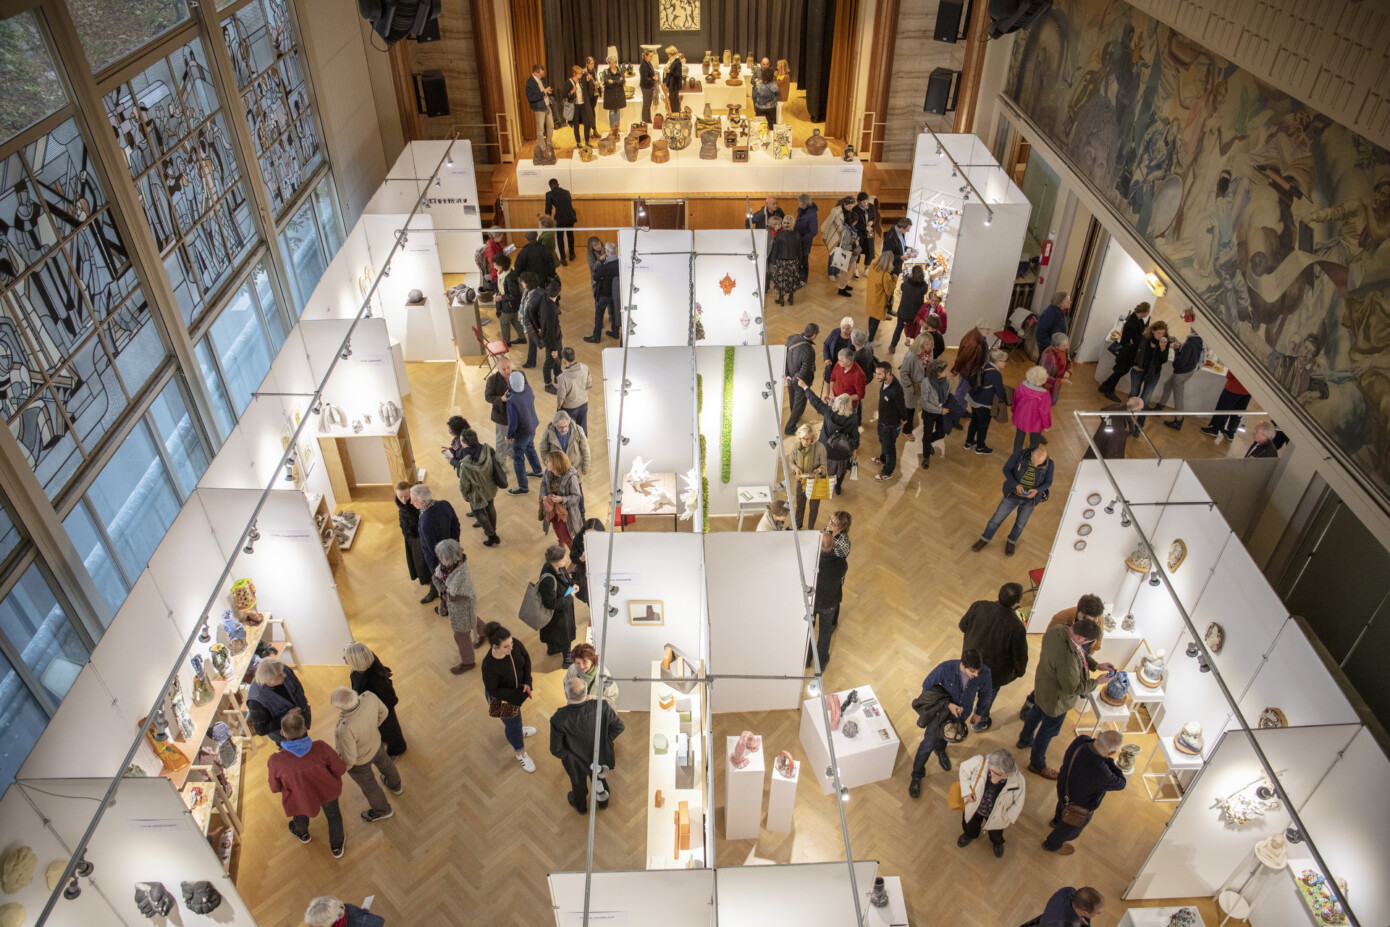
<point x="662" y="279"/>
<point x="661" y="567"/>
<point x="669" y="897"/>
<point x="804" y="894"/>
<point x="755" y="426"/>
<point x="452" y="203"/>
<point x="740" y="256"/>
<point x="1199" y="853"/>
<point x="423" y="330"/>
<point x="757" y="615"/>
<point x="658" y="413"/>
<point x="1192" y="695"/>
<point x="346" y="282"/>
<point x="1241" y="601"/>
<point x="1284" y="681"/>
<point x="21" y="823"/>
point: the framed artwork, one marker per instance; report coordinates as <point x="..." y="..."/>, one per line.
<point x="646" y="613"/>
<point x="678" y="15"/>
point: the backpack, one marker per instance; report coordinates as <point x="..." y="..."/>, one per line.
<point x="839" y="446"/>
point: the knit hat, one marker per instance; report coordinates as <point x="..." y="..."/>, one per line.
<point x="517" y="381"/>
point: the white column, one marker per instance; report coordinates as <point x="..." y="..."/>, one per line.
<point x="743" y="794"/>
<point x="782" y="800"/>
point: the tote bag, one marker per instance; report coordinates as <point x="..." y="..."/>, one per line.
<point x="532" y="613"/>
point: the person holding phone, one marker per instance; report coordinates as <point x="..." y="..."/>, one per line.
<point x="556" y="589"/>
<point x="507" y="678"/>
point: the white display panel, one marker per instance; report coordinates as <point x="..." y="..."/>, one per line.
<point x="86" y="717"/>
<point x="669" y="897"/>
<point x="755" y="423"/>
<point x="290" y="371"/>
<point x="1291" y="679"/>
<point x="658" y="413"/>
<point x="452" y="203"/>
<point x="21" y="824"/>
<point x="423" y="331"/>
<point x="757" y="615"/>
<point x="1120" y="287"/>
<point x="646" y="567"/>
<point x="1199" y="853"/>
<point x="362" y="382"/>
<point x="1205" y="535"/>
<point x="349" y="277"/>
<point x="1191" y="695"/>
<point x="722" y="255"/>
<point x="1348" y="819"/>
<point x="804" y="894"/>
<point x="1240" y="599"/>
<point x="135" y="655"/>
<point x="186" y="566"/>
<point x="662" y="279"/>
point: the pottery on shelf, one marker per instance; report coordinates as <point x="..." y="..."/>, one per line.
<point x="661" y="151"/>
<point x="1139" y="561"/>
<point x="1177" y="553"/>
<point x="630" y="145"/>
<point x="1273" y="717"/>
<point x="1117" y="690"/>
<point x="677" y="129"/>
<point x="1127" y="622"/>
<point x="816" y="144"/>
<point x="1151" y="669"/>
<point x="1189" y="739"/>
<point x="879" y="896"/>
<point x="607" y="145"/>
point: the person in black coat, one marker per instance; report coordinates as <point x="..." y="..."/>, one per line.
<point x="552" y="339"/>
<point x="800" y="365"/>
<point x="1149" y="361"/>
<point x="579" y="565"/>
<point x="556" y="589"/>
<point x="408" y="517"/>
<point x="675" y="80"/>
<point x="830" y="584"/>
<point x="438" y="522"/>
<point x="646" y="82"/>
<point x="614" y="99"/>
<point x="604" y="279"/>
<point x="895" y="240"/>
<point x="534" y="258"/>
<point x="1088" y="772"/>
<point x="1131" y="333"/>
<point x="559" y="203"/>
<point x="833" y="344"/>
<point x="276" y="692"/>
<point x="506" y="672"/>
<point x="581" y="92"/>
<point x="369" y="674"/>
<point x="769" y="209"/>
<point x="572" y="742"/>
<point x="994" y="629"/>
<point x="892" y="415"/>
<point x="845" y="422"/>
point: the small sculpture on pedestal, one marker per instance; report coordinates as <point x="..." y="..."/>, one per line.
<point x="1189" y="739"/>
<point x="1151" y="669"/>
<point x="543" y="155"/>
<point x="1127" y="622"/>
<point x="1126" y="757"/>
<point x="879" y="896"/>
<point x="1117" y="690"/>
<point x="834" y="708"/>
<point x="748" y="742"/>
<point x="709" y="145"/>
<point x="785" y="765"/>
<point x="816" y="144"/>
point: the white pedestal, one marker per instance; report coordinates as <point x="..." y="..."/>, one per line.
<point x="743" y="794"/>
<point x="782" y="799"/>
<point x="1153" y="917"/>
<point x="866" y="757"/>
<point x="895" y="915"/>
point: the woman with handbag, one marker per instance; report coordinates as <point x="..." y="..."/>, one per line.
<point x="562" y="498"/>
<point x="555" y="589"/>
<point x="990" y="795"/>
<point x="839" y="433"/>
<point x="808" y="462"/>
<point x="481" y="473"/>
<point x="507" y="686"/>
<point x="458" y="602"/>
<point x="913" y="294"/>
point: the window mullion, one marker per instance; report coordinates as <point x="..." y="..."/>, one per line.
<point x="26" y="675"/>
<point x="106" y="541"/>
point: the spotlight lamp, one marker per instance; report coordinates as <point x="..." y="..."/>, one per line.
<point x="83" y="868"/>
<point x="612" y="611"/>
<point x="989" y="218"/>
<point x="252" y="537"/>
<point x="612" y="590"/>
<point x="72" y="890"/>
<point x="347" y="351"/>
<point x="773" y="443"/>
<point x="1110" y="509"/>
<point x="1124" y="520"/>
<point x="449" y="159"/>
<point x="753" y="256"/>
<point x="1107" y="424"/>
<point x="1203" y="665"/>
<point x="625" y="439"/>
<point x="438" y="182"/>
<point x="318" y="406"/>
<point x="1153" y="578"/>
<point x="767" y="393"/>
<point x="1192" y="649"/>
<point x="1293" y="834"/>
<point x="844" y="794"/>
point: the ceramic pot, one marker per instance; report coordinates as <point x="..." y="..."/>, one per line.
<point x="733" y="82"/>
<point x="730" y="138"/>
<point x="630" y="147"/>
<point x="709" y="111"/>
<point x="726" y="59"/>
<point x="678" y="130"/>
<point x="735" y="110"/>
<point x="587" y="154"/>
<point x="658" y="120"/>
<point x="661" y="151"/>
<point x="629" y="91"/>
<point x="709" y="145"/>
<point x="816" y="144"/>
<point x="543" y="155"/>
<point x="607" y="145"/>
<point x="692" y="85"/>
<point x="705" y="124"/>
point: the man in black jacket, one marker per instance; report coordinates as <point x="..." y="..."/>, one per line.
<point x="1088" y="772"/>
<point x="994" y="629"/>
<point x="895" y="240"/>
<point x="769" y="209"/>
<point x="572" y="742"/>
<point x="646" y="82"/>
<point x="830" y="585"/>
<point x="558" y="203"/>
<point x="892" y="415"/>
<point x="534" y="258"/>
<point x="495" y="389"/>
<point x="1131" y="334"/>
<point x="605" y="284"/>
<point x="800" y="364"/>
<point x="1185" y="363"/>
<point x="675" y="78"/>
<point x="552" y="340"/>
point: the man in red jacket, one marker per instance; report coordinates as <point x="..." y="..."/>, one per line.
<point x="308" y="774"/>
<point x="846" y="377"/>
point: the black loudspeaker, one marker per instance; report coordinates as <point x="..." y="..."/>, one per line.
<point x="432" y="94"/>
<point x="948" y="16"/>
<point x="939" y="91"/>
<point x="430" y="33"/>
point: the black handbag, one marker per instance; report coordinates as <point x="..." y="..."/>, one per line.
<point x="839" y="446"/>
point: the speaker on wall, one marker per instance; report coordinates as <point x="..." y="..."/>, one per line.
<point x="431" y="93"/>
<point x="939" y="100"/>
<point x="948" y="16"/>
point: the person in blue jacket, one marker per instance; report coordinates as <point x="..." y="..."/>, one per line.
<point x="1052" y="320"/>
<point x="1027" y="481"/>
<point x="521" y="431"/>
<point x="964" y="681"/>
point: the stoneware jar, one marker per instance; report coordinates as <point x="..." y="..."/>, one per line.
<point x="630" y="148"/>
<point x="678" y="129"/>
<point x="607" y="145"/>
<point x="709" y="145"/>
<point x="816" y="144"/>
<point x="661" y="151"/>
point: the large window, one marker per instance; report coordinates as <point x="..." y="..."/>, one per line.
<point x="77" y="341"/>
<point x="236" y="353"/>
<point x="22" y="720"/>
<point x="309" y="241"/>
<point x="170" y="127"/>
<point x="111" y="29"/>
<point x="270" y="77"/>
<point x="32" y="90"/>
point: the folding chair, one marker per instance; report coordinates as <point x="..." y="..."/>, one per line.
<point x="491" y="350"/>
<point x="1010" y="337"/>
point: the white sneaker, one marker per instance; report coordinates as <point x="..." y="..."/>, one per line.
<point x="528" y="732"/>
<point x="526" y="762"/>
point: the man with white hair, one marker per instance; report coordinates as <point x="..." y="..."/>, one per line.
<point x="438" y="522"/>
<point x="1088" y="772"/>
<point x="327" y="911"/>
<point x="769" y="209"/>
<point x="358" y="741"/>
<point x="572" y="742"/>
<point x="1262" y="443"/>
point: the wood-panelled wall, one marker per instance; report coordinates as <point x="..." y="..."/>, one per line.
<point x="880" y="74"/>
<point x="489" y="71"/>
<point x="701" y="213"/>
<point x="528" y="43"/>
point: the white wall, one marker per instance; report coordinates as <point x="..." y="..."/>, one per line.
<point x="339" y="293"/>
<point x="755" y="424"/>
<point x="662" y="277"/>
<point x="724" y="252"/>
<point x="757" y="615"/>
<point x="669" y="897"/>
<point x="804" y="894"/>
<point x="665" y="567"/>
<point x="658" y="412"/>
<point x="1119" y="288"/>
<point x="453" y="204"/>
<point x="424" y="331"/>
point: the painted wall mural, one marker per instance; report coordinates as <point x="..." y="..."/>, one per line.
<point x="1278" y="217"/>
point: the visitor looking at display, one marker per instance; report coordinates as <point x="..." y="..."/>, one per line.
<point x="808" y="462"/>
<point x="408" y="519"/>
<point x="438" y="522"/>
<point x="521" y="432"/>
<point x="327" y="911"/>
<point x="1071" y="906"/>
<point x="1027" y="483"/>
<point x="562" y="497"/>
<point x="912" y="296"/>
<point x="963" y="681"/>
<point x="596" y="679"/>
<point x="275" y="694"/>
<point x="895" y="240"/>
<point x="556" y="589"/>
<point x="604" y="280"/>
<point x="1063" y="676"/>
<point x="508" y="302"/>
<point x="775" y="517"/>
<point x="307" y="774"/>
<point x="994" y="630"/>
<point x="538" y="98"/>
<point x="481" y="474"/>
<point x="992" y="789"/>
<point x="369" y="674"/>
<point x="1088" y="772"/>
<point x="878" y="292"/>
<point x="559" y="204"/>
<point x="892" y="416"/>
<point x="614" y="99"/>
<point x="357" y="737"/>
<point x="579" y="568"/>
<point x="572" y="730"/>
<point x="806" y="227"/>
<point x="765" y="95"/>
<point x="506" y="687"/>
<point x="1125" y="349"/>
<point x="986" y="386"/>
<point x="800" y="365"/>
<point x="455" y="580"/>
<point x="572" y="387"/>
<point x="580" y="95"/>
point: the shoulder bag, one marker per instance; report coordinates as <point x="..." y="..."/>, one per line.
<point x="839" y="446"/>
<point x="954" y="799"/>
<point x="1073" y="815"/>
<point x="499" y="472"/>
<point x="532" y="613"/>
<point x="496" y="708"/>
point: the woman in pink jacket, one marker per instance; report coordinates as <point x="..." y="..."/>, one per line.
<point x="1032" y="409"/>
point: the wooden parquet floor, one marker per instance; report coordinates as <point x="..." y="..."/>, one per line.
<point x="474" y="836"/>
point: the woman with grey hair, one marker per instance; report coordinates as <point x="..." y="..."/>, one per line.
<point x="327" y="911"/>
<point x="460" y="602"/>
<point x="275" y="693"/>
<point x="863" y="352"/>
<point x="992" y="787"/>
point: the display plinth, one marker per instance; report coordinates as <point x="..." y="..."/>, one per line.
<point x="535" y="181"/>
<point x="1155" y="917"/>
<point x="895" y="914"/>
<point x="866" y="757"/>
<point x="1140" y="694"/>
<point x="781" y="801"/>
<point x="743" y="793"/>
<point x="1177" y="764"/>
<point x="662" y="774"/>
<point x="1103" y="713"/>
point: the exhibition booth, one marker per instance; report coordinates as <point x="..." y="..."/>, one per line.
<point x="968" y="225"/>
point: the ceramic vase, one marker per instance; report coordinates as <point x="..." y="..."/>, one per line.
<point x="709" y="145"/>
<point x="816" y="144"/>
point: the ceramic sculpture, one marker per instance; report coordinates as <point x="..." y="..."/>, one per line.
<point x="661" y="151"/>
<point x="1214" y="637"/>
<point x="543" y="155"/>
<point x="1117" y="690"/>
<point x="1177" y="553"/>
<point x="1139" y="561"/>
<point x="748" y="742"/>
<point x="244" y="600"/>
<point x="849" y="729"/>
<point x="1151" y="669"/>
<point x="607" y="145"/>
<point x="727" y="284"/>
<point x="1183" y="917"/>
<point x="690" y="496"/>
<point x="879" y="896"/>
<point x="1108" y="620"/>
<point x="17" y="868"/>
<point x="850" y="154"/>
<point x="200" y="897"/>
<point x="834" y="708"/>
<point x="1272" y="717"/>
<point x="726" y="59"/>
<point x="785" y="765"/>
<point x="1189" y="739"/>
<point x="630" y="148"/>
<point x="677" y="129"/>
<point x="639" y="478"/>
<point x="1126" y="757"/>
<point x="709" y="145"/>
<point x="816" y="144"/>
<point x="660" y="744"/>
<point x="12" y="914"/>
<point x="152" y="899"/>
<point x="1272" y="851"/>
<point x="1127" y="623"/>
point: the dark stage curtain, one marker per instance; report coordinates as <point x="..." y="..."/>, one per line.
<point x="575" y="30"/>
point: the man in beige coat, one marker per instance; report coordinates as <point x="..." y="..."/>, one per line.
<point x="572" y="385"/>
<point x="358" y="740"/>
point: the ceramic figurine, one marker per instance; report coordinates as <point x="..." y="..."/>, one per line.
<point x="879" y="896"/>
<point x="221" y="659"/>
<point x="202" y="689"/>
<point x="850" y="154"/>
<point x="849" y="729"/>
<point x="1183" y="917"/>
<point x="1272" y="851"/>
<point x="816" y="144"/>
<point x="785" y="765"/>
<point x="1214" y="637"/>
<point x="834" y="708"/>
<point x="726" y="59"/>
<point x="607" y="145"/>
<point x="1139" y="561"/>
<point x="1126" y="757"/>
<point x="1177" y="553"/>
<point x="1127" y="623"/>
<point x="1117" y="690"/>
<point x="630" y="148"/>
<point x="727" y="284"/>
<point x="543" y="155"/>
<point x="709" y="145"/>
<point x="1189" y="739"/>
<point x="244" y="600"/>
<point x="1109" y="621"/>
<point x="677" y="129"/>
<point x="1273" y="717"/>
<point x="748" y="742"/>
<point x="1151" y="669"/>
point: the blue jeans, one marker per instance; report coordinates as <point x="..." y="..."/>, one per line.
<point x="932" y="742"/>
<point x="523" y="451"/>
<point x="1141" y="386"/>
<point x="888" y="447"/>
<point x="986" y="701"/>
<point x="1038" y="730"/>
<point x="580" y="416"/>
<point x="1007" y="505"/>
<point x="512" y="728"/>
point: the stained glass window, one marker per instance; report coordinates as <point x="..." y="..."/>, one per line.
<point x="270" y="77"/>
<point x="171" y="131"/>
<point x="111" y="29"/>
<point x="77" y="341"/>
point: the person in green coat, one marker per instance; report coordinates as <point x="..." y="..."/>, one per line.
<point x="1063" y="676"/>
<point x="480" y="476"/>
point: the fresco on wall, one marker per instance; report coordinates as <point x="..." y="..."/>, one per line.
<point x="1278" y="217"/>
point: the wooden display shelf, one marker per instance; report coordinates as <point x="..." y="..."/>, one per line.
<point x="400" y="459"/>
<point x="351" y="536"/>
